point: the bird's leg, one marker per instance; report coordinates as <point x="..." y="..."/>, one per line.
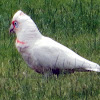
<point x="68" y="71"/>
<point x="56" y="71"/>
<point x="47" y="74"/>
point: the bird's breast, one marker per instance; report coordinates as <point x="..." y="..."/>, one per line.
<point x="22" y="47"/>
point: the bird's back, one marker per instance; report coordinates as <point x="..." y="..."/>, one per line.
<point x="51" y="54"/>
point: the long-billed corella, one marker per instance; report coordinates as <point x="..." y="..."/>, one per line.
<point x="43" y="54"/>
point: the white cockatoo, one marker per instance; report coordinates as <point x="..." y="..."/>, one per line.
<point x="43" y="54"/>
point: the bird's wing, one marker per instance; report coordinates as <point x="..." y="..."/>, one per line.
<point x="51" y="54"/>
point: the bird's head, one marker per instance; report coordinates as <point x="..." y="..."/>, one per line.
<point x="19" y="21"/>
<point x="24" y="27"/>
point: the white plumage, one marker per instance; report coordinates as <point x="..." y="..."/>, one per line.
<point x="43" y="54"/>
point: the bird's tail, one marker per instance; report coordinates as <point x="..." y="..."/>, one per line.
<point x="91" y="66"/>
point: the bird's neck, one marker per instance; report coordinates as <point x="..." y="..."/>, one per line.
<point x="28" y="32"/>
<point x="28" y="36"/>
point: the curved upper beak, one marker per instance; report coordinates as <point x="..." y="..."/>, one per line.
<point x="11" y="29"/>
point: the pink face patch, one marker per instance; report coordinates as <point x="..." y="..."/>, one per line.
<point x="20" y="42"/>
<point x="13" y="23"/>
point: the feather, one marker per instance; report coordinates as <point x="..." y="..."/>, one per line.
<point x="43" y="54"/>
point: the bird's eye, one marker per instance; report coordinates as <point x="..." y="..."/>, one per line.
<point x="16" y="24"/>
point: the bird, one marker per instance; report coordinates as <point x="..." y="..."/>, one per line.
<point x="43" y="54"/>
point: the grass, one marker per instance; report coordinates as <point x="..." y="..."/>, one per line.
<point x="75" y="24"/>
